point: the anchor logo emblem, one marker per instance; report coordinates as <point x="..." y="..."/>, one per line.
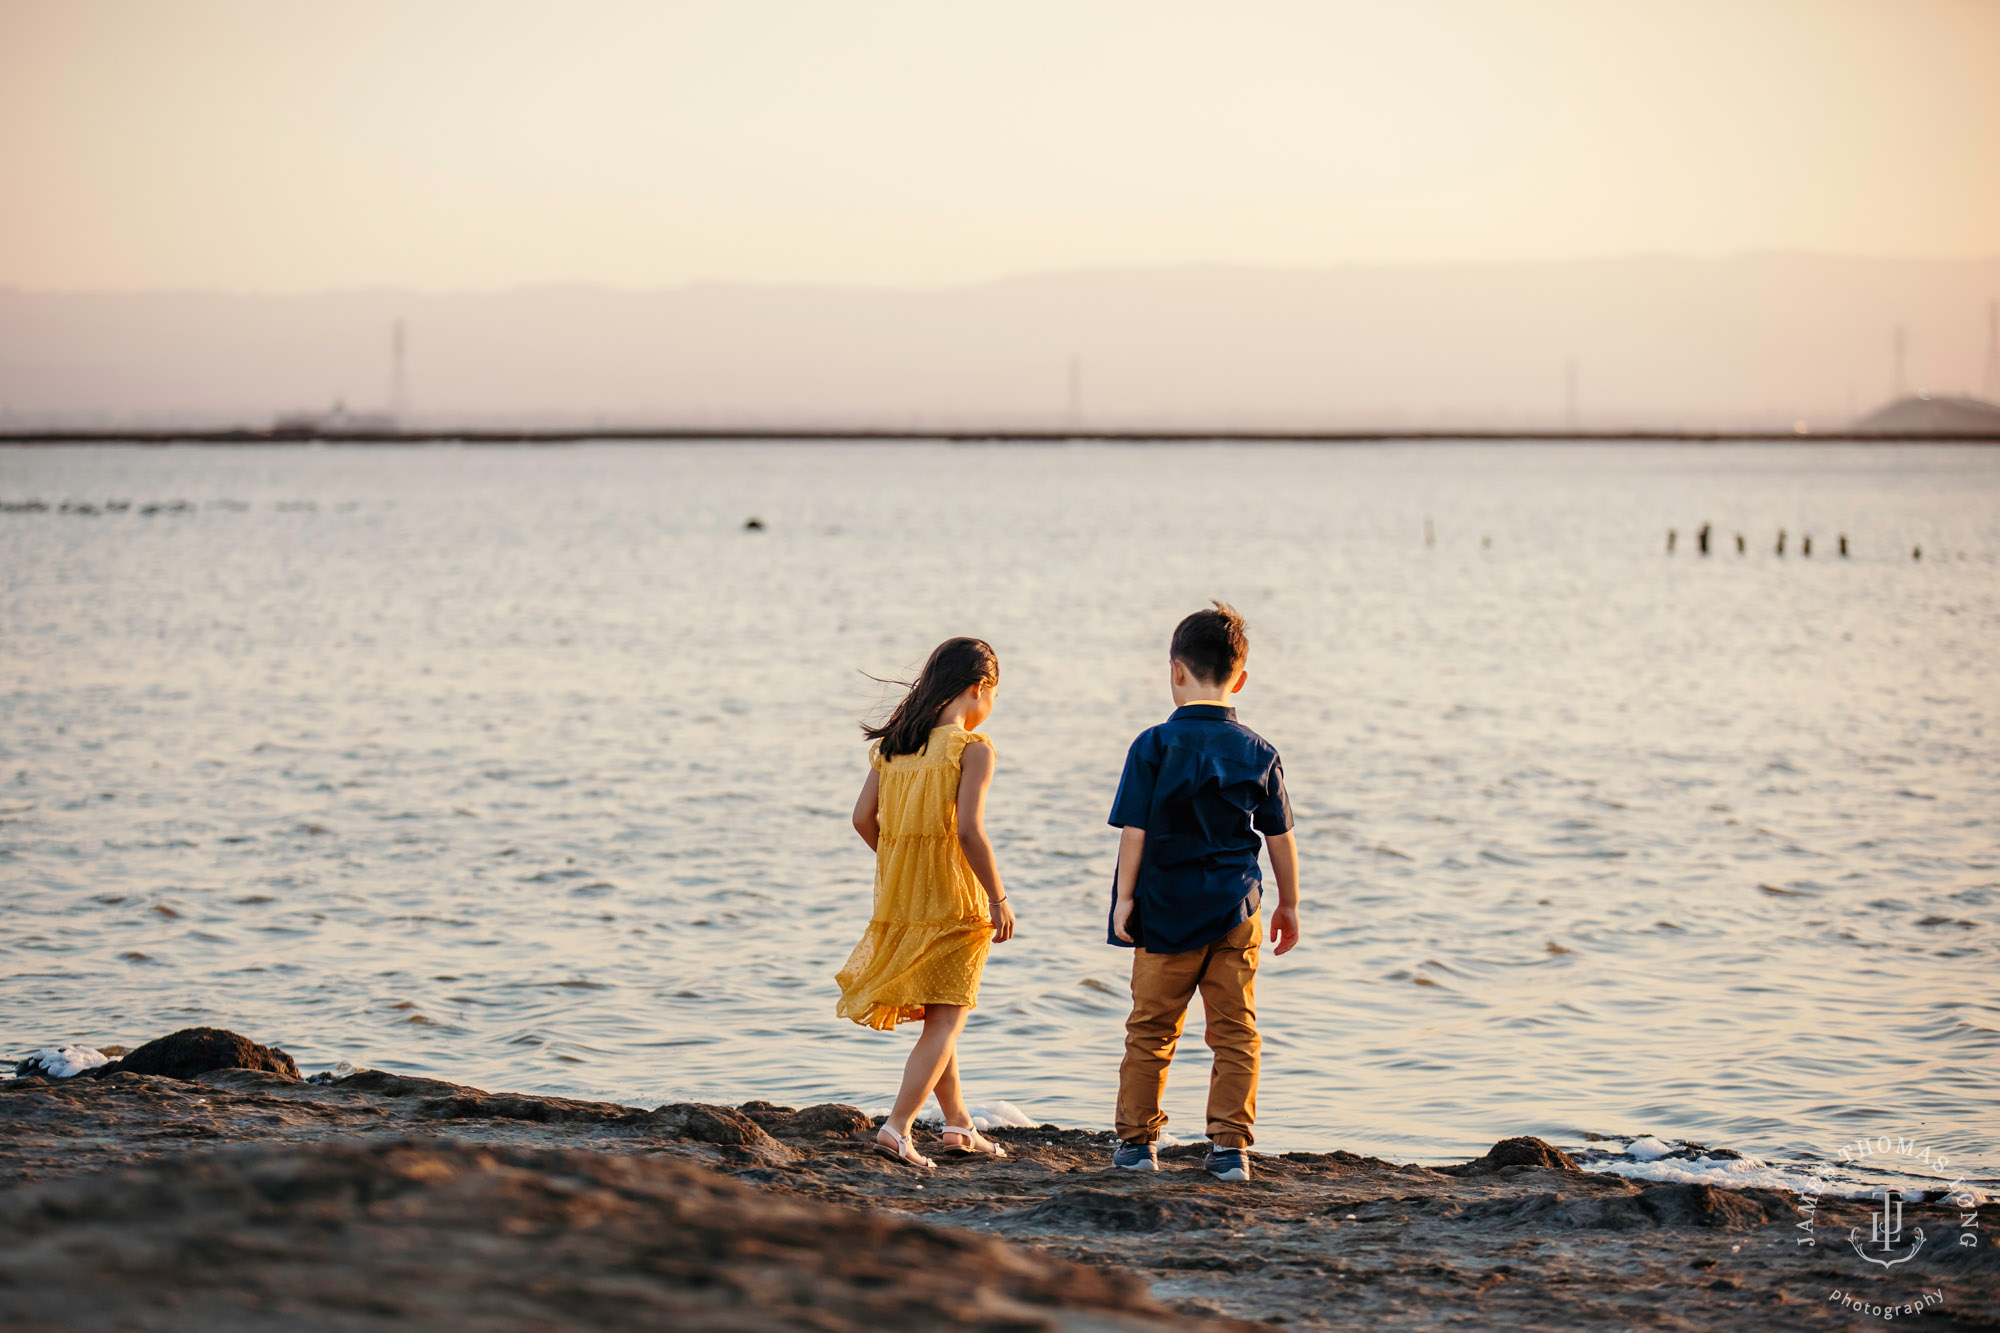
<point x="1885" y="1232"/>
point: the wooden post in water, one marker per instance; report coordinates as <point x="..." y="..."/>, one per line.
<point x="1916" y="553"/>
<point x="1805" y="546"/>
<point x="1781" y="541"/>
<point x="1672" y="535"/>
<point x="1740" y="548"/>
<point x="1702" y="539"/>
<point x="1843" y="546"/>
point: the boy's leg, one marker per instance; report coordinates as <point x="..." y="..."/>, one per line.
<point x="1162" y="985"/>
<point x="1229" y="998"/>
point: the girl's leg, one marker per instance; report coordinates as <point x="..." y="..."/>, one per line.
<point x="927" y="1063"/>
<point x="951" y="1098"/>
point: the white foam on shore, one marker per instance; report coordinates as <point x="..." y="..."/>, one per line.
<point x="1729" y="1173"/>
<point x="1006" y="1115"/>
<point x="61" y="1062"/>
<point x="1755" y="1173"/>
<point x="1648" y="1148"/>
<point x="986" y="1115"/>
<point x="998" y="1115"/>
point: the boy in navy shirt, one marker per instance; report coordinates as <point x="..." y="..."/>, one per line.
<point x="1197" y="791"/>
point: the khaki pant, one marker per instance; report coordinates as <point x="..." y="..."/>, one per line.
<point x="1162" y="984"/>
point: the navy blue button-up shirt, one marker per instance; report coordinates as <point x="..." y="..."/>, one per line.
<point x="1203" y="786"/>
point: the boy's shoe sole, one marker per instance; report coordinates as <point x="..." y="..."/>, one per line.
<point x="1232" y="1176"/>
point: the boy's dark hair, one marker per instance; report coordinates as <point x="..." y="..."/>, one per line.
<point x="1211" y="644"/>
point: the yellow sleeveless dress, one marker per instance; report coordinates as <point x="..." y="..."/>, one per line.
<point x="929" y="934"/>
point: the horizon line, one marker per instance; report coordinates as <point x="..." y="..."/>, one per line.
<point x="831" y="435"/>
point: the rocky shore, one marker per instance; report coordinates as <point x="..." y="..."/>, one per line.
<point x="153" y="1192"/>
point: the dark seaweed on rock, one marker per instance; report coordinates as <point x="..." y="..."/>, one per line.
<point x="1675" y="1205"/>
<point x="1524" y="1150"/>
<point x="825" y="1118"/>
<point x="192" y="1051"/>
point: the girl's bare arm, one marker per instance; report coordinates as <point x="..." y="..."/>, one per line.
<point x="975" y="775"/>
<point x="867" y="809"/>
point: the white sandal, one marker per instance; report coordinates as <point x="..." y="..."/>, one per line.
<point x="976" y="1144"/>
<point x="901" y="1151"/>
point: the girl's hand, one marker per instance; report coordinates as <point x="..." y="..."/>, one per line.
<point x="1003" y="921"/>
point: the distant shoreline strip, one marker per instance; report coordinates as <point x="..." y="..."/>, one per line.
<point x="785" y="435"/>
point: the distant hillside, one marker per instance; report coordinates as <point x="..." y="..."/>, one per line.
<point x="1756" y="341"/>
<point x="1925" y="414"/>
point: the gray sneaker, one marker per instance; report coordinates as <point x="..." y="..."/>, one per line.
<point x="1227" y="1164"/>
<point x="1136" y="1157"/>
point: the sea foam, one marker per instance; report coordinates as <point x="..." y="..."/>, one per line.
<point x="1649" y="1158"/>
<point x="60" y="1062"/>
<point x="986" y="1115"/>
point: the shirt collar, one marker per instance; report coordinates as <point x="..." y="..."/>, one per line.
<point x="1204" y="710"/>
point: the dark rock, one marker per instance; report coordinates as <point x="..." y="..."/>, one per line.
<point x="193" y="1051"/>
<point x="1131" y="1212"/>
<point x="472" y="1104"/>
<point x="1338" y="1159"/>
<point x="1522" y="1151"/>
<point x="826" y="1118"/>
<point x="1707" y="1206"/>
<point x="1213" y="1261"/>
<point x="243" y="1080"/>
<point x="722" y="1125"/>
<point x="767" y="1114"/>
<point x="385" y="1084"/>
<point x="1661" y="1205"/>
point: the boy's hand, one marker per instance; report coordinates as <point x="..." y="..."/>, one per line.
<point x="1284" y="929"/>
<point x="1003" y="921"/>
<point x="1131" y="851"/>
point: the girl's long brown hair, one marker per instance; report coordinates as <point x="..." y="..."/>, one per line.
<point x="955" y="666"/>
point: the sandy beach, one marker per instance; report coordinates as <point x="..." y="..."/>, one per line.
<point x="249" y="1199"/>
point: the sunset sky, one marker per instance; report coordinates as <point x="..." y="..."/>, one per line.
<point x="281" y="147"/>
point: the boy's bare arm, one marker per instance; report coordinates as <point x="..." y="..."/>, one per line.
<point x="1284" y="851"/>
<point x="1131" y="850"/>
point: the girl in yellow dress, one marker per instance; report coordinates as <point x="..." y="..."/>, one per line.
<point x="939" y="905"/>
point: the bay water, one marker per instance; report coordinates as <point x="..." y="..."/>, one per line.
<point x="531" y="768"/>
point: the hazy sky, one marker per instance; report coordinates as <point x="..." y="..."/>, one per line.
<point x="265" y="145"/>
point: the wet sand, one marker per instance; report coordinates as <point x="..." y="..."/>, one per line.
<point x="246" y="1199"/>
